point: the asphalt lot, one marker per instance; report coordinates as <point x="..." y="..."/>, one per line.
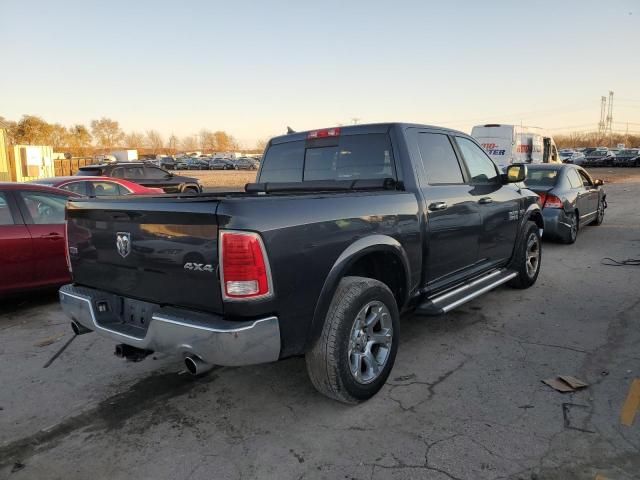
<point x="464" y="401"/>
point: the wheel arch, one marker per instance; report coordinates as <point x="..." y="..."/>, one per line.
<point x="380" y="257"/>
<point x="533" y="213"/>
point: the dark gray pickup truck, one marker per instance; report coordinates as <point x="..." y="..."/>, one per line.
<point x="345" y="229"/>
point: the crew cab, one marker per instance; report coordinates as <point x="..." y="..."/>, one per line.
<point x="145" y="174"/>
<point x="344" y="230"/>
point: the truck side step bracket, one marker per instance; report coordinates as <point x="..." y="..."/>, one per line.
<point x="447" y="301"/>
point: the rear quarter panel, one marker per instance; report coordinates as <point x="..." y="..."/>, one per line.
<point x="304" y="236"/>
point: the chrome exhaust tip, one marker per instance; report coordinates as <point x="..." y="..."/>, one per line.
<point x="79" y="329"/>
<point x="196" y="366"/>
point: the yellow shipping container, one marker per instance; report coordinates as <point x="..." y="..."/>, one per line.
<point x="5" y="173"/>
<point x="30" y="162"/>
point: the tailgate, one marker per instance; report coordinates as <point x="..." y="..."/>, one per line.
<point x="160" y="250"/>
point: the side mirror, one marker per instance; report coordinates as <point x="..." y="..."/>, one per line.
<point x="515" y="173"/>
<point x="598" y="182"/>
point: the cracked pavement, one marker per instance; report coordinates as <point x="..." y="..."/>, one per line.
<point x="464" y="400"/>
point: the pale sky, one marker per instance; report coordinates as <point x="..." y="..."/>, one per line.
<point x="252" y="68"/>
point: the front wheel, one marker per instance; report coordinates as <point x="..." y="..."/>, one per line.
<point x="600" y="216"/>
<point x="527" y="258"/>
<point x="354" y="354"/>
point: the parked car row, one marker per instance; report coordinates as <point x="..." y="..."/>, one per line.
<point x="32" y="217"/>
<point x="208" y="163"/>
<point x="602" y="157"/>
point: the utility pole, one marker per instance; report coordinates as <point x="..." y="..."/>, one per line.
<point x="603" y="109"/>
<point x="610" y="116"/>
<point x="355" y="120"/>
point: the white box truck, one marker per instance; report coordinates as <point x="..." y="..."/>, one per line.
<point x="125" y="155"/>
<point x="507" y="144"/>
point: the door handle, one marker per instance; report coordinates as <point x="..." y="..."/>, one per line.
<point x="52" y="236"/>
<point x="485" y="200"/>
<point x="437" y="206"/>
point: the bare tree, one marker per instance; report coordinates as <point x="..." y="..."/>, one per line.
<point x="134" y="140"/>
<point x="189" y="143"/>
<point x="262" y="144"/>
<point x="106" y="132"/>
<point x="172" y="143"/>
<point x="207" y="140"/>
<point x="154" y="141"/>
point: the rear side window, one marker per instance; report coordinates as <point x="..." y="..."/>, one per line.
<point x="155" y="173"/>
<point x="439" y="159"/>
<point x="351" y="157"/>
<point x="574" y="178"/>
<point x="105" y="189"/>
<point x="76" y="187"/>
<point x="133" y="172"/>
<point x="44" y="208"/>
<point x="5" y="213"/>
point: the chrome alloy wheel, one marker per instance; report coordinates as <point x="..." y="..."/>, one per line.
<point x="370" y="342"/>
<point x="533" y="255"/>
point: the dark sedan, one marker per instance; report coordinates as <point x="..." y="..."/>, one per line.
<point x="245" y="163"/>
<point x="32" y="237"/>
<point x="144" y="174"/>
<point x="569" y="197"/>
<point x="628" y="158"/>
<point x="221" y="164"/>
<point x="599" y="158"/>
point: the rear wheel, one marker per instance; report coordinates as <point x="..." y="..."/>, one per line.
<point x="354" y="354"/>
<point x="571" y="233"/>
<point x="527" y="258"/>
<point x="190" y="190"/>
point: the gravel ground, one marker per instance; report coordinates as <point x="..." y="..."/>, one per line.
<point x="464" y="401"/>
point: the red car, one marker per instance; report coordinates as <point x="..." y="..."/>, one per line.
<point x="98" y="186"/>
<point x="32" y="237"/>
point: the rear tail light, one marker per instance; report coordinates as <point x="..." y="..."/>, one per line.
<point x="244" y="267"/>
<point x="543" y="198"/>
<point x="551" y="201"/>
<point x="325" y="133"/>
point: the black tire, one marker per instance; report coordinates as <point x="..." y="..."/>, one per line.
<point x="600" y="216"/>
<point x="521" y="261"/>
<point x="329" y="362"/>
<point x="570" y="236"/>
<point x="190" y="190"/>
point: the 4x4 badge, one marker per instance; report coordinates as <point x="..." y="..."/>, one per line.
<point x="123" y="243"/>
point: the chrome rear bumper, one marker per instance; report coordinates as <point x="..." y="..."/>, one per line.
<point x="179" y="331"/>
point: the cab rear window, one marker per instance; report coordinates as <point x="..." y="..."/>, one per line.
<point x="349" y="157"/>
